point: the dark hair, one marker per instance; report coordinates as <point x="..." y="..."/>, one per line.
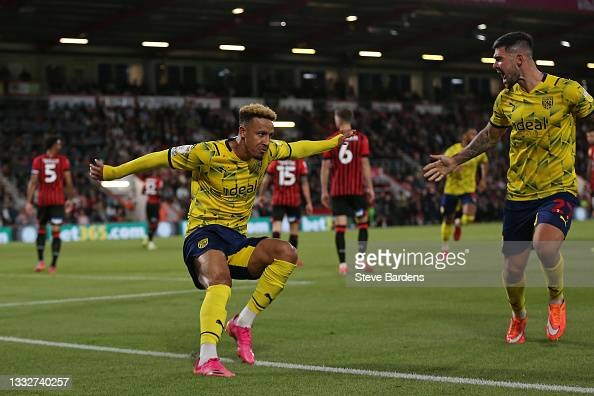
<point x="514" y="38"/>
<point x="50" y="141"/>
<point x="345" y="114"/>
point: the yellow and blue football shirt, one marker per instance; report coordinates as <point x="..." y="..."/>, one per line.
<point x="224" y="186"/>
<point x="463" y="179"/>
<point x="542" y="140"/>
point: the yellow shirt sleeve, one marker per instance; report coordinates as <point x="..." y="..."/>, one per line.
<point x="307" y="148"/>
<point x="279" y="150"/>
<point x="580" y="101"/>
<point x="142" y="164"/>
<point x="188" y="157"/>
<point x="304" y="148"/>
<point x="498" y="118"/>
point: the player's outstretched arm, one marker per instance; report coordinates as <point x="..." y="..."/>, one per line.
<point x="484" y="140"/>
<point x="307" y="148"/>
<point x="98" y="171"/>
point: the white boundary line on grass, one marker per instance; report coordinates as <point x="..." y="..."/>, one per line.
<point x="125" y="296"/>
<point x="125" y="278"/>
<point x="100" y="277"/>
<point x="96" y="298"/>
<point x="325" y="369"/>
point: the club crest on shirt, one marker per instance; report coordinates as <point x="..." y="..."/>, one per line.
<point x="202" y="243"/>
<point x="547" y="102"/>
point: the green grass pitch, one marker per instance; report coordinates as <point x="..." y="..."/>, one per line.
<point x="455" y="332"/>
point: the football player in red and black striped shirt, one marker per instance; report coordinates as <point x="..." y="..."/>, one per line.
<point x="152" y="189"/>
<point x="50" y="173"/>
<point x="351" y="190"/>
<point x="289" y="179"/>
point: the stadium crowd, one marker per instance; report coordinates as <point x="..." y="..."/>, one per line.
<point x="400" y="145"/>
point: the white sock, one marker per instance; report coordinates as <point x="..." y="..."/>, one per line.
<point x="246" y="317"/>
<point x="207" y="351"/>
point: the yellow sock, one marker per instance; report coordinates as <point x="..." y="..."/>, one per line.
<point x="213" y="313"/>
<point x="467" y="219"/>
<point x="270" y="285"/>
<point x="554" y="277"/>
<point x="446" y="231"/>
<point x="516" y="295"/>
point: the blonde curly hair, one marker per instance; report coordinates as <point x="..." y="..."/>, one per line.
<point x="253" y="110"/>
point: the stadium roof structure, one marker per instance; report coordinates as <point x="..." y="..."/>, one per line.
<point x="401" y="30"/>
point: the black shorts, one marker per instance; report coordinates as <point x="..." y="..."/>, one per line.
<point x="293" y="213"/>
<point x="237" y="247"/>
<point x="54" y="214"/>
<point x="349" y="205"/>
<point x="520" y="218"/>
<point x="152" y="212"/>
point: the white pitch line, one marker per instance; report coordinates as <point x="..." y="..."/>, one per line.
<point x="324" y="369"/>
<point x="124" y="296"/>
<point x="125" y="278"/>
<point x="93" y="347"/>
<point x="96" y="298"/>
<point x="429" y="378"/>
<point x="99" y="277"/>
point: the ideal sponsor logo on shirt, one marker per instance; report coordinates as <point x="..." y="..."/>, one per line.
<point x="536" y="125"/>
<point x="240" y="191"/>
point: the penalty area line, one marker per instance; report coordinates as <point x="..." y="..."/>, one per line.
<point x="323" y="369"/>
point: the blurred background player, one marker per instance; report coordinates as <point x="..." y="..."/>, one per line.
<point x="152" y="187"/>
<point x="351" y="191"/>
<point x="50" y="173"/>
<point x="460" y="190"/>
<point x="289" y="180"/>
<point x="590" y="173"/>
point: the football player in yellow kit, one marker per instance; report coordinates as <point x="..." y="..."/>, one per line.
<point x="226" y="175"/>
<point x="541" y="110"/>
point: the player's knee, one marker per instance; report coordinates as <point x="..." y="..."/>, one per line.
<point x="547" y="252"/>
<point x="284" y="251"/>
<point x="512" y="275"/>
<point x="216" y="278"/>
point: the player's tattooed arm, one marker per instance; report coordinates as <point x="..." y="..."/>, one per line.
<point x="443" y="165"/>
<point x="483" y="141"/>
